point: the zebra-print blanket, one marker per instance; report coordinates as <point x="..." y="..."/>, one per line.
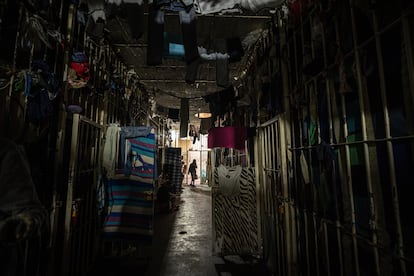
<point x="234" y="217"/>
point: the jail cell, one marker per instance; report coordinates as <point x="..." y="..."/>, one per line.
<point x="351" y="140"/>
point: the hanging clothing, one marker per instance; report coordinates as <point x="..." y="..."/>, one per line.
<point x="220" y="102"/>
<point x="155" y="39"/>
<point x="214" y="6"/>
<point x="256" y="5"/>
<point x="222" y="70"/>
<point x="235" y="229"/>
<point x="96" y="9"/>
<point x="141" y="158"/>
<point x="184" y="117"/>
<point x="119" y="2"/>
<point x="131" y="187"/>
<point x="111" y="149"/>
<point x="229" y="180"/>
<point x="205" y="125"/>
<point x="96" y="19"/>
<point x="131" y="132"/>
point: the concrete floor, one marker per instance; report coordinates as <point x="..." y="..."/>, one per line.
<point x="182" y="245"/>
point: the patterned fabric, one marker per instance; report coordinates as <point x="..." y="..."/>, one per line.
<point x="172" y="167"/>
<point x="234" y="218"/>
<point x="131" y="203"/>
<point x="143" y="149"/>
<point x="131" y="208"/>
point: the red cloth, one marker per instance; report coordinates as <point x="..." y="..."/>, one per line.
<point x="81" y="69"/>
<point x="227" y="137"/>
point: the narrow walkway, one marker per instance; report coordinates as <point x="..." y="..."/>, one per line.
<point x="188" y="249"/>
<point x="182" y="244"/>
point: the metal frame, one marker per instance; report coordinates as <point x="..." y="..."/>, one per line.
<point x="321" y="234"/>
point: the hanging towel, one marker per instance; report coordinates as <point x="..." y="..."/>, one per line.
<point x="110" y="151"/>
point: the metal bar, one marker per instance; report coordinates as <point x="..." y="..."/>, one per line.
<point x="82" y="157"/>
<point x="408" y="42"/>
<point x="329" y="92"/>
<point x="347" y="179"/>
<point x="287" y="226"/>
<point x="365" y="121"/>
<point x="408" y="67"/>
<point x="348" y="172"/>
<point x="306" y="225"/>
<point x="327" y="258"/>
<point x="69" y="196"/>
<point x="269" y="122"/>
<point x="276" y="203"/>
<point x="259" y="193"/>
<point x="315" y="231"/>
<point x="264" y="178"/>
<point x="333" y="115"/>
<point x="390" y="151"/>
<point x="271" y="186"/>
<point x="90" y="122"/>
<point x="368" y="141"/>
<point x="308" y="93"/>
<point x="285" y="155"/>
<point x="275" y="154"/>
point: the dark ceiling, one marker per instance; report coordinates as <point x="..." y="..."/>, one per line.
<point x="168" y="80"/>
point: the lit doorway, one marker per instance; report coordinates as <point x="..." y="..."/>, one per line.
<point x="199" y="152"/>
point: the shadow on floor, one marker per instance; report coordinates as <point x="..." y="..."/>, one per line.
<point x="242" y="266"/>
<point x="150" y="263"/>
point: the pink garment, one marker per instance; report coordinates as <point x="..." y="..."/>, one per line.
<point x="227" y="137"/>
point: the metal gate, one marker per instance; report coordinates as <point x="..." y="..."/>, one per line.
<point x="81" y="216"/>
<point x="276" y="205"/>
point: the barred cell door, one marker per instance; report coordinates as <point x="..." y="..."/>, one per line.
<point x="81" y="215"/>
<point x="277" y="206"/>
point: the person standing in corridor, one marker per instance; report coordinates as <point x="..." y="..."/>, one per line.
<point x="193" y="171"/>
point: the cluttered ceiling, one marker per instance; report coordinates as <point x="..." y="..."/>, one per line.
<point x="223" y="30"/>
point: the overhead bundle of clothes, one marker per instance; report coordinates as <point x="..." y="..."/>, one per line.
<point x="187" y="16"/>
<point x="229" y="6"/>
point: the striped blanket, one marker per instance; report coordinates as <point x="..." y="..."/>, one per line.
<point x="131" y="208"/>
<point x="131" y="202"/>
<point x="144" y="165"/>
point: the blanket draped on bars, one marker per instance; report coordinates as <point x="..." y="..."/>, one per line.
<point x="131" y="204"/>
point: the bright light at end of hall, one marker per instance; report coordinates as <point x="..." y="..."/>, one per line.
<point x="203" y="115"/>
